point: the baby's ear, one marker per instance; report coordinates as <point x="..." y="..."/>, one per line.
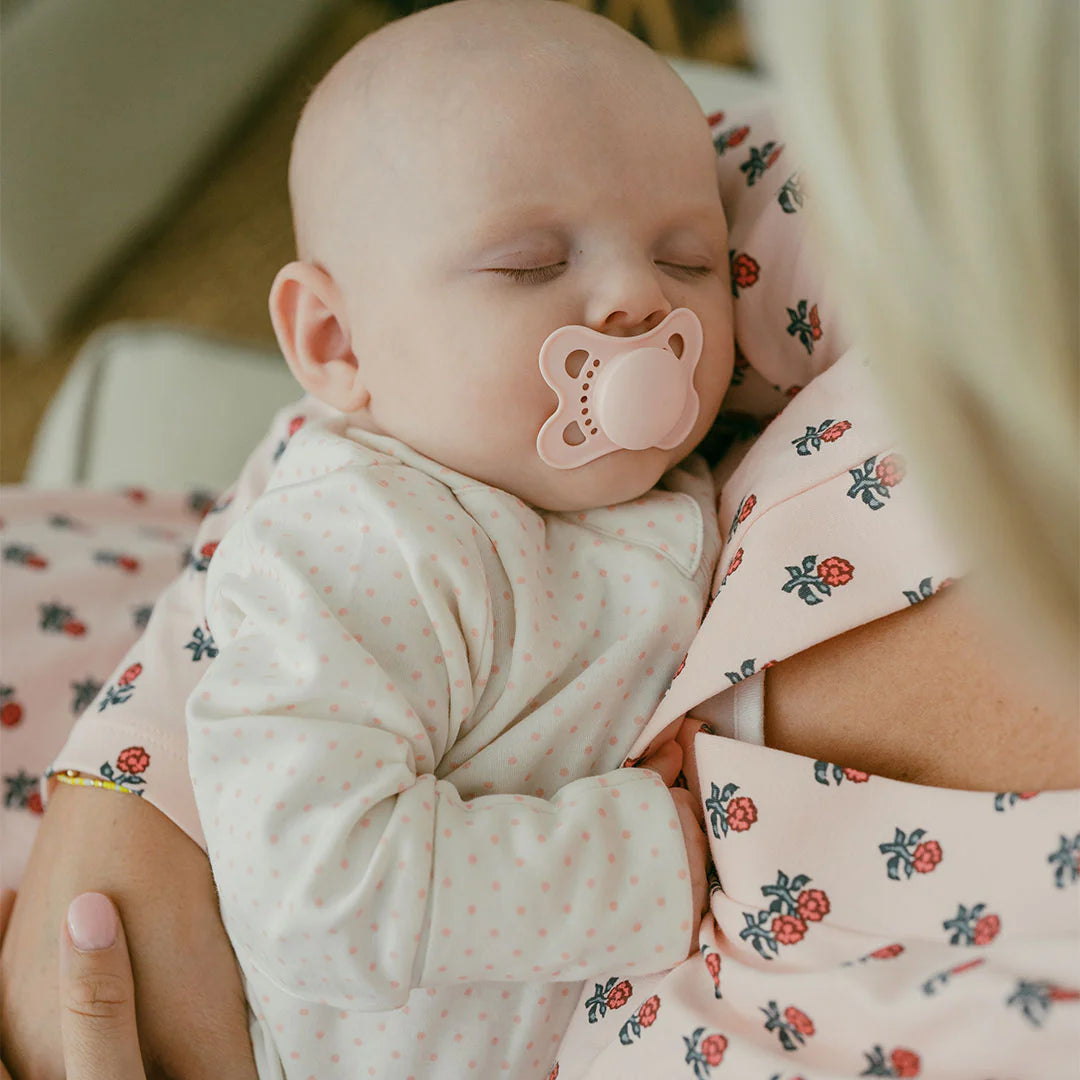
<point x="312" y="330"/>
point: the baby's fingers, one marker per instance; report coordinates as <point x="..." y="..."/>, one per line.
<point x="667" y="760"/>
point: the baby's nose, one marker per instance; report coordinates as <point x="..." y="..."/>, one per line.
<point x="628" y="303"/>
<point x="625" y="324"/>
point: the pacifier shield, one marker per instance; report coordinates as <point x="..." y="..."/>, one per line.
<point x="623" y="394"/>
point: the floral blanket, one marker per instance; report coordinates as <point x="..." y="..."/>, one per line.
<point x="81" y="571"/>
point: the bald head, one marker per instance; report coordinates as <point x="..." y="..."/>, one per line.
<point x="449" y="69"/>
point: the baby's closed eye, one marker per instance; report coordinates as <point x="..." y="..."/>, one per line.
<point x="539" y="275"/>
<point x="531" y="275"/>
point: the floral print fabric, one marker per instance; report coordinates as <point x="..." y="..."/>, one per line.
<point x="862" y="927"/>
<point x="81" y="572"/>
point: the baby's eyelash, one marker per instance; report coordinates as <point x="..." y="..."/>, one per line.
<point x="538" y="275"/>
<point x="535" y="275"/>
<point x="690" y="271"/>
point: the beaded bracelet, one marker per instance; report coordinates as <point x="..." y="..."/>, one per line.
<point x="76" y="779"/>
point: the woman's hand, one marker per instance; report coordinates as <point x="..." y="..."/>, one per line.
<point x="97" y="993"/>
<point x="185" y="978"/>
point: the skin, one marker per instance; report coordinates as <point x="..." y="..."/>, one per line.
<point x="934" y="670"/>
<point x="186" y="979"/>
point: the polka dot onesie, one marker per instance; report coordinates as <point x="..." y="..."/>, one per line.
<point x="406" y="756"/>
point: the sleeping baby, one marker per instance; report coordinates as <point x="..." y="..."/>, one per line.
<point x="471" y="580"/>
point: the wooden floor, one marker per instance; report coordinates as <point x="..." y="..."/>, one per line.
<point x="211" y="265"/>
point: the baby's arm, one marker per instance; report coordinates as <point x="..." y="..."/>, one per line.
<point x="348" y="873"/>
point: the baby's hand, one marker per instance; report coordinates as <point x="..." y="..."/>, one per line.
<point x="697" y="854"/>
<point x="666" y="759"/>
<point x="685" y="739"/>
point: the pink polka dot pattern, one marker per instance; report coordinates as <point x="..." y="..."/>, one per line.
<point x="407" y="754"/>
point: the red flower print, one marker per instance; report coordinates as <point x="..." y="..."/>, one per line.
<point x="813" y="318"/>
<point x="1022" y="794"/>
<point x="907" y="854"/>
<point x="887" y="952"/>
<point x="890" y="470"/>
<point x="927" y="855"/>
<point x="712" y="1049"/>
<point x="736" y="562"/>
<point x="904" y="1062"/>
<point x="647" y="1013"/>
<point x="130" y="675"/>
<point x="136" y="495"/>
<point x="208" y="549"/>
<point x="799" y="1020"/>
<point x="785" y="922"/>
<point x="986" y="929"/>
<point x="619" y="995"/>
<point x="11" y="713"/>
<point x="712" y="962"/>
<point x="856" y="776"/>
<point x="74" y="628"/>
<point x="744" y="270"/>
<point x="133" y="760"/>
<point x="553" y="1075"/>
<point x="34" y="804"/>
<point x="613" y="994"/>
<point x="773" y="156"/>
<point x="831" y="434"/>
<point x="788" y="930"/>
<point x="128" y="563"/>
<point x="295" y="424"/>
<point x="813" y="905"/>
<point x="747" y="507"/>
<point x="737" y="136"/>
<point x="741" y="813"/>
<point x="1062" y="993"/>
<point x="835" y="571"/>
<point x="714" y="118"/>
<point x="36" y="562"/>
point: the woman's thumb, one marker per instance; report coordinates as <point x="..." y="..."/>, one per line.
<point x="97" y="994"/>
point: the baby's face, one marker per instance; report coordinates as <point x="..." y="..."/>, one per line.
<point x="497" y="225"/>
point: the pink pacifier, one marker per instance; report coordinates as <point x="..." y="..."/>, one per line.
<point x="618" y="393"/>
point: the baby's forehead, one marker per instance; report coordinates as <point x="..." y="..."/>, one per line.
<point x="463" y="77"/>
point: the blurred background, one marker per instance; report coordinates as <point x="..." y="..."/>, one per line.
<point x="143" y="154"/>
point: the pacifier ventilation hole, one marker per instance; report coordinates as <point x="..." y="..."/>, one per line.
<point x="575" y="362"/>
<point x="676" y="344"/>
<point x="572" y="434"/>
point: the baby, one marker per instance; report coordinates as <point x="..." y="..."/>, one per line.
<point x="469" y="583"/>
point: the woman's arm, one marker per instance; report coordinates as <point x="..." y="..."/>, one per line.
<point x="185" y="975"/>
<point x="922" y="696"/>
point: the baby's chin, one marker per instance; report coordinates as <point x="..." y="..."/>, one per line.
<point x="615" y="478"/>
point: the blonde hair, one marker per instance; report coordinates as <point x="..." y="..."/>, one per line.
<point x="940" y="143"/>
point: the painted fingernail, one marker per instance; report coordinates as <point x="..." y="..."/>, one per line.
<point x="91" y="920"/>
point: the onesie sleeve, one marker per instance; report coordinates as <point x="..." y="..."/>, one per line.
<point x="348" y="872"/>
